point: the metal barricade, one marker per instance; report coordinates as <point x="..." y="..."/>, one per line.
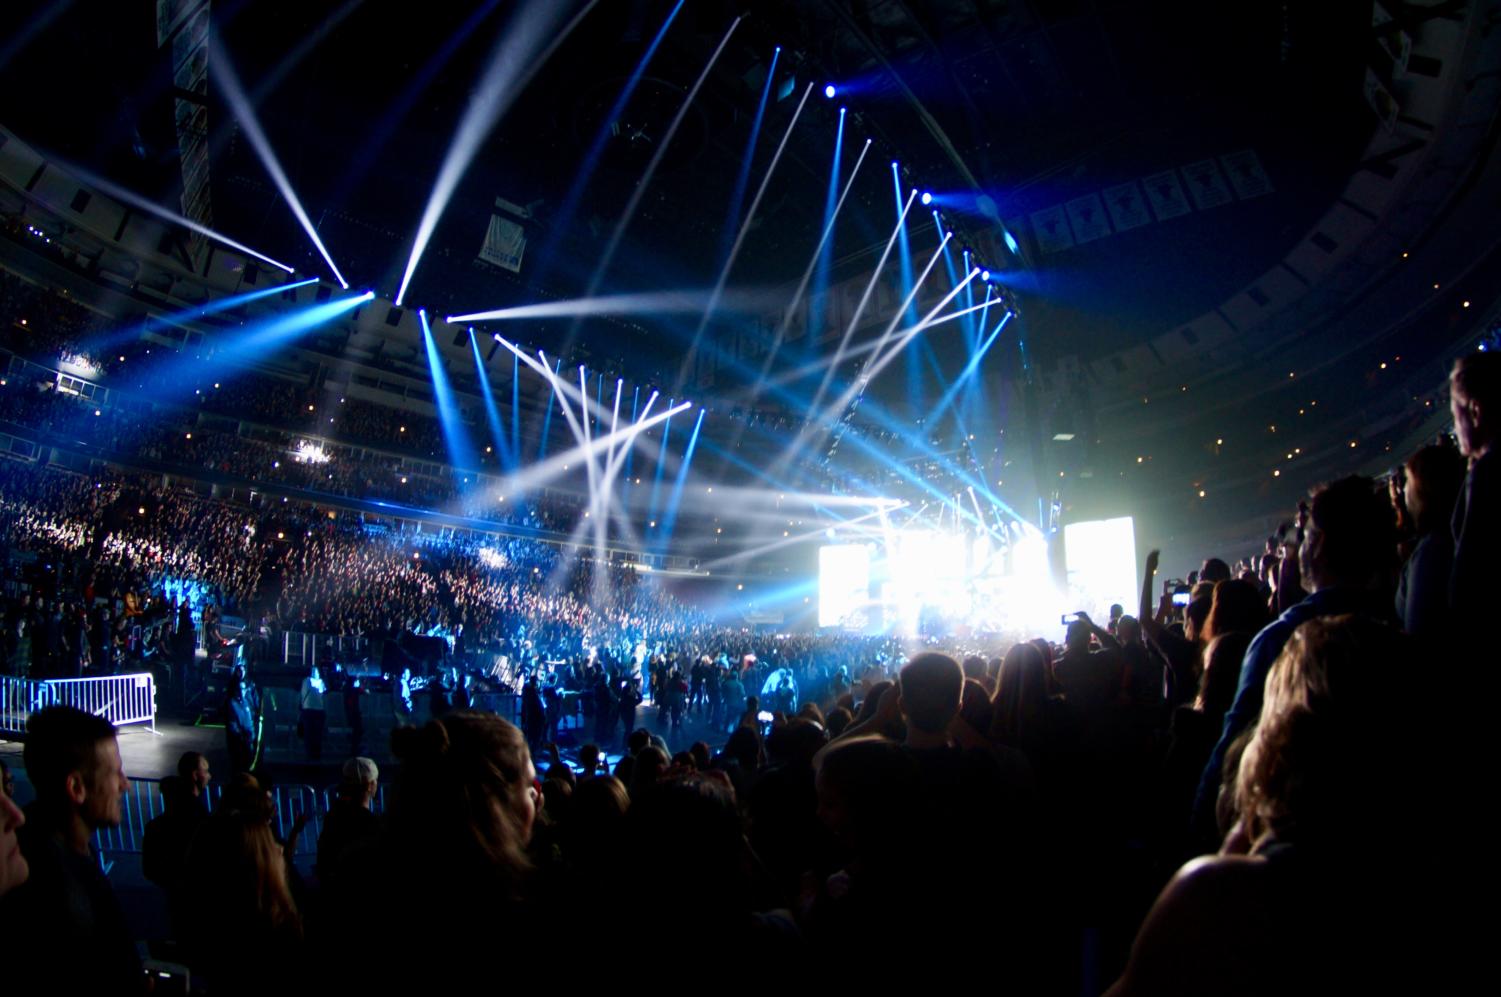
<point x="323" y="650"/>
<point x="143" y="802"/>
<point x="296" y="649"/>
<point x="120" y="699"/>
<point x="18" y="699"/>
<point x="290" y="803"/>
<point x="503" y="704"/>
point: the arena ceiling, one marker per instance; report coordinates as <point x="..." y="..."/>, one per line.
<point x="1029" y="104"/>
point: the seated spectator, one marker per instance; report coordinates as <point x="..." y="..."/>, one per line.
<point x="349" y="820"/>
<point x="1346" y="553"/>
<point x="687" y="832"/>
<point x="1434" y="478"/>
<point x="193" y="770"/>
<point x="169" y="837"/>
<point x="66" y="906"/>
<point x="1304" y="898"/>
<point x="450" y="875"/>
<point x="245" y="929"/>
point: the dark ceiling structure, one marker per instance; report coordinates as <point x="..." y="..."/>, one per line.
<point x="1024" y="118"/>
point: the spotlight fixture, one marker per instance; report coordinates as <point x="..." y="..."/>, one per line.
<point x="830" y="90"/>
<point x="984" y="274"/>
<point x="927" y="197"/>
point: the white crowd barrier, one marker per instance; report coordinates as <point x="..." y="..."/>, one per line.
<point x="121" y="699"/>
<point x="18" y="699"/>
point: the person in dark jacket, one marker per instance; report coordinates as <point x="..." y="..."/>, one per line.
<point x="1434" y="477"/>
<point x="67" y="930"/>
<point x="165" y="844"/>
<point x="240" y="709"/>
<point x="350" y="820"/>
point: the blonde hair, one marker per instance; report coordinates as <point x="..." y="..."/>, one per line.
<point x="1332" y="694"/>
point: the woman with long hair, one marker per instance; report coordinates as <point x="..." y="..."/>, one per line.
<point x="451" y="873"/>
<point x="1311" y="891"/>
<point x="243" y="924"/>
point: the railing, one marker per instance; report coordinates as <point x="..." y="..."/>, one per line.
<point x="307" y="649"/>
<point x="120" y="699"/>
<point x="143" y="802"/>
<point x="18" y="699"/>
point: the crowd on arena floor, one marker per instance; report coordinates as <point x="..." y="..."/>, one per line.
<point x="1006" y="819"/>
<point x="1019" y="807"/>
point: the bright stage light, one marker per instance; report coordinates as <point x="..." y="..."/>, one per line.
<point x="310" y="452"/>
<point x="137" y="201"/>
<point x="646" y="303"/>
<point x="927" y="197"/>
<point x="512" y="65"/>
<point x="988" y="583"/>
<point x="830" y="90"/>
<point x="984" y="274"/>
<point x="1011" y="244"/>
<point x="239" y="103"/>
<point x="843" y="585"/>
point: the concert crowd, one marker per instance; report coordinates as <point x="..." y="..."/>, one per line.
<point x="1243" y="794"/>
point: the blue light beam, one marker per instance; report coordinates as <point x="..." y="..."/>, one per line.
<point x="729" y="263"/>
<point x="591" y="158"/>
<point x="254" y="342"/>
<point x="670" y="517"/>
<point x="492" y="410"/>
<point x="239" y="103"/>
<point x="742" y="178"/>
<point x="455" y="433"/>
<point x="110" y="341"/>
<point x="653" y="163"/>
<point x="510" y="69"/>
<point x="137" y="201"/>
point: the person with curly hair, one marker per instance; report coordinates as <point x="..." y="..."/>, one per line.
<point x="1309" y="893"/>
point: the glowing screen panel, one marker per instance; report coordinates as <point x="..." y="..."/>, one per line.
<point x="843" y="583"/>
<point x="1101" y="565"/>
